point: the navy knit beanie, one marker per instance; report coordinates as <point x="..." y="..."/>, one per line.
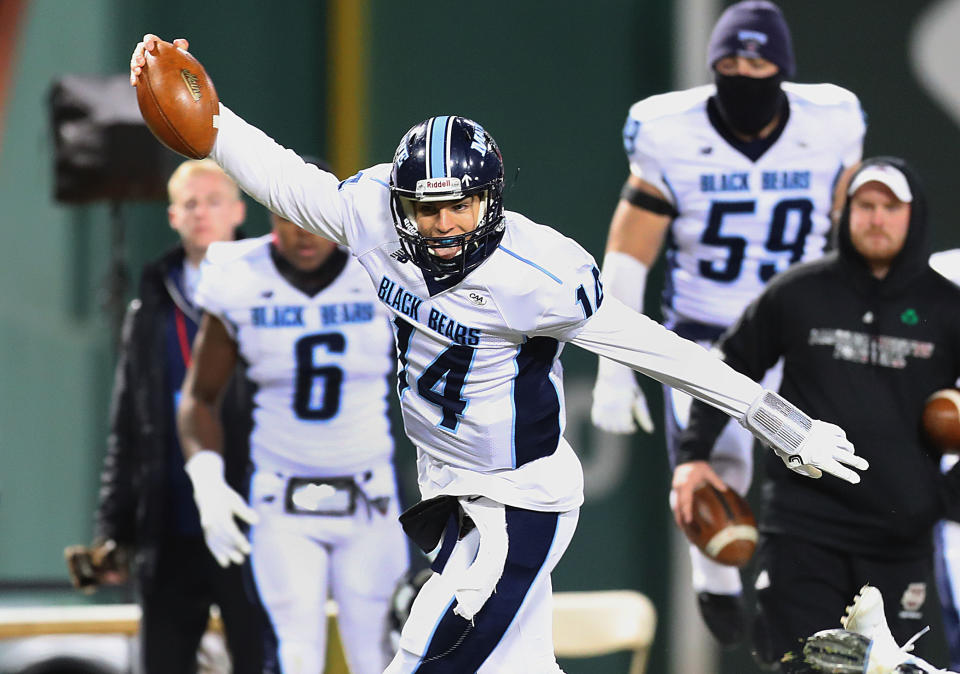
<point x="753" y="28"/>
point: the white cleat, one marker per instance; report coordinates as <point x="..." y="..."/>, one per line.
<point x="865" y="616"/>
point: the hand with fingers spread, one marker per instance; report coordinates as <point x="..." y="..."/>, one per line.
<point x="825" y="450"/>
<point x="619" y="405"/>
<point x="806" y="446"/>
<point x="218" y="505"/>
<point x="687" y="478"/>
<point x="148" y="43"/>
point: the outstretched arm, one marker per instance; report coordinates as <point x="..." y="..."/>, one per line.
<point x="806" y="446"/>
<point x="637" y="341"/>
<point x="276" y="177"/>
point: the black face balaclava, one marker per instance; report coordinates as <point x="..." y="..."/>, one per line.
<point x="752" y="29"/>
<point x="748" y="104"/>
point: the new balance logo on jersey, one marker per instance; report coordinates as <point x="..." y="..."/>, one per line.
<point x="400" y="256"/>
<point x="266" y="294"/>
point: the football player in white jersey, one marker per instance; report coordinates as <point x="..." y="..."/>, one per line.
<point x="300" y="311"/>
<point x="483" y="301"/>
<point x="736" y="181"/>
<point x="946" y="537"/>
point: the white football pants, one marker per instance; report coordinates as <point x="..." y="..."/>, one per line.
<point x="299" y="560"/>
<point x="513" y="632"/>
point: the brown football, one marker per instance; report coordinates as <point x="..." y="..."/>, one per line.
<point x="178" y="101"/>
<point x="723" y="526"/>
<point x="941" y="420"/>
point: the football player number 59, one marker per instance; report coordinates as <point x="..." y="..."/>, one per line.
<point x="729" y="270"/>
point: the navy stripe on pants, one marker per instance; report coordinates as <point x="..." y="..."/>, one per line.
<point x="459" y="647"/>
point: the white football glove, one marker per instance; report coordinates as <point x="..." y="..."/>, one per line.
<point x="218" y="505"/>
<point x="805" y="445"/>
<point x="618" y="401"/>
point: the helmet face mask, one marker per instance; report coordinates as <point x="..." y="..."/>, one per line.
<point x="446" y="159"/>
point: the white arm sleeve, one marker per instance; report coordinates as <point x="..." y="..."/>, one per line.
<point x="630" y="338"/>
<point x="280" y="180"/>
<point x="625" y="278"/>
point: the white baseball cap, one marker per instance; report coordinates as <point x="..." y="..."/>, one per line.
<point x="886" y="174"/>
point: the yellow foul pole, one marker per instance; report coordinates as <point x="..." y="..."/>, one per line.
<point x="347" y="85"/>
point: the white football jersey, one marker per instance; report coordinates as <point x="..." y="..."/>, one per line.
<point x="741" y="221"/>
<point x="479" y="375"/>
<point x="947" y="264"/>
<point x="320" y="364"/>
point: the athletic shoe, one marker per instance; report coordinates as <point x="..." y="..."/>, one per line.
<point x="865" y="616"/>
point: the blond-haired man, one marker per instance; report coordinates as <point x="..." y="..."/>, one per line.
<point x="146" y="503"/>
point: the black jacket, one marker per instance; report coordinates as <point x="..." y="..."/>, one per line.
<point x="133" y="483"/>
<point x="863" y="353"/>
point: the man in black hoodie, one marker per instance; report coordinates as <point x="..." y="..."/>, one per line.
<point x="866" y="335"/>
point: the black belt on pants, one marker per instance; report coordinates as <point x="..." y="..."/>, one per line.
<point x="329" y="496"/>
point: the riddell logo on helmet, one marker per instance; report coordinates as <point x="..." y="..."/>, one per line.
<point x="438" y="185"/>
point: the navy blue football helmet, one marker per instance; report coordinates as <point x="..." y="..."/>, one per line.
<point x="447" y="158"/>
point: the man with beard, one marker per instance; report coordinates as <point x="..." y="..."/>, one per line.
<point x="737" y="181"/>
<point x="484" y="299"/>
<point x="866" y="334"/>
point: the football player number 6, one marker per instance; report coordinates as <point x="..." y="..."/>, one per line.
<point x="317" y="392"/>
